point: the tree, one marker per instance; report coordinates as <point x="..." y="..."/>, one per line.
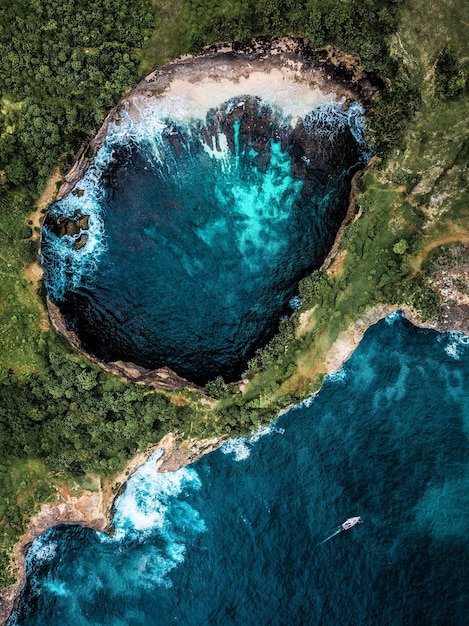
<point x="400" y="247"/>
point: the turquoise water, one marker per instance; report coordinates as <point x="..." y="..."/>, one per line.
<point x="236" y="537"/>
<point x="199" y="233"/>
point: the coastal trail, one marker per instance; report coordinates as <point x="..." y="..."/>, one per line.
<point x="457" y="236"/>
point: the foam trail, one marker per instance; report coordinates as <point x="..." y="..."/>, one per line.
<point x="337" y="531"/>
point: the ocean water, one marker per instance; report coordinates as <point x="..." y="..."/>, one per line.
<point x="200" y="231"/>
<point x="238" y="537"/>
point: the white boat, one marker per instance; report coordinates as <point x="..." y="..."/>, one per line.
<point x="351" y="521"/>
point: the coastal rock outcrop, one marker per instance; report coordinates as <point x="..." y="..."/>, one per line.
<point x="73" y="227"/>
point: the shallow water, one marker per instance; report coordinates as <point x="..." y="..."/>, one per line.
<point x="236" y="537"/>
<point x="199" y="233"/>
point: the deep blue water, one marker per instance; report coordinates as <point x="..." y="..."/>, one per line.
<point x="200" y="232"/>
<point x="236" y="538"/>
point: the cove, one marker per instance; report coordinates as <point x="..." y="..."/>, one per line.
<point x="184" y="242"/>
<point x="236" y="537"/>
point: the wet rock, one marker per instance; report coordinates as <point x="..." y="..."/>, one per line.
<point x="319" y="145"/>
<point x="81" y="241"/>
<point x="83" y="222"/>
<point x="70" y="228"/>
<point x="62" y="226"/>
<point x="256" y="126"/>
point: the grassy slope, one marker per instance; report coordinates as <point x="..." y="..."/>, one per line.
<point x="419" y="196"/>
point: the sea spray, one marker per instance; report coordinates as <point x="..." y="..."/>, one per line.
<point x="146" y="502"/>
<point x="240" y="447"/>
<point x="150" y="505"/>
<point x="454" y="343"/>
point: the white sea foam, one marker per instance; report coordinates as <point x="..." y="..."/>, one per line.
<point x="455" y="343"/>
<point x="329" y="119"/>
<point x="152" y="503"/>
<point x="266" y="430"/>
<point x="393" y="317"/>
<point x="56" y="587"/>
<point x="42" y="549"/>
<point x="451" y="350"/>
<point x="236" y="447"/>
<point x="240" y="448"/>
<point x="221" y="152"/>
<point x="149" y="495"/>
<point x="159" y="114"/>
<point x="58" y="253"/>
<point x="339" y="376"/>
<point x="153" y="566"/>
<point x="306" y="404"/>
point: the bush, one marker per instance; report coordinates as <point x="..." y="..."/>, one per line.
<point x="450" y="76"/>
<point x="217" y="388"/>
<point x="400" y="247"/>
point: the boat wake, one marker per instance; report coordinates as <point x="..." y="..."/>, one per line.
<point x="338" y="530"/>
<point x="349" y="523"/>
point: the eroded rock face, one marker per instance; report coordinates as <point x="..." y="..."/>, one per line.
<point x="202" y="220"/>
<point x="80" y="242"/>
<point x="318" y="145"/>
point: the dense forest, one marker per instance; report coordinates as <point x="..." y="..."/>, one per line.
<point x="63" y="66"/>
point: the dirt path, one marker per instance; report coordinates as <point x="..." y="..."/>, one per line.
<point x="457" y="236"/>
<point x="34" y="272"/>
<point x="44" y="201"/>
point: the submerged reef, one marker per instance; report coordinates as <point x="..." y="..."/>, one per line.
<point x="211" y="195"/>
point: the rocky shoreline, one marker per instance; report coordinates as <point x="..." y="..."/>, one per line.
<point x="94" y="509"/>
<point x="326" y="72"/>
<point x="326" y="69"/>
<point x="161" y="378"/>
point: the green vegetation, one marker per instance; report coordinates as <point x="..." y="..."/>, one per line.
<point x="19" y="312"/>
<point x="63" y="65"/>
<point x="76" y="417"/>
<point x="355" y="26"/>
